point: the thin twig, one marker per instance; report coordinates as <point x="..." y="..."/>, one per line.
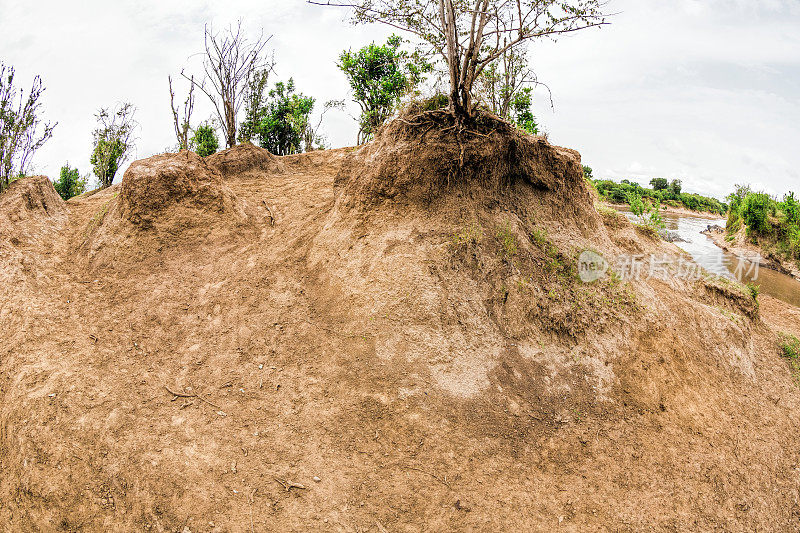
<point x="269" y="211"/>
<point x="185" y="395"/>
<point x="289" y="484"/>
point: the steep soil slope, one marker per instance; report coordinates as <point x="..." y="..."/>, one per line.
<point x="381" y="339"/>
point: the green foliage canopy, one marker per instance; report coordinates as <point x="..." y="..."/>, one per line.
<point x="659" y="184"/>
<point x="284" y="120"/>
<point x="521" y="113"/>
<point x="619" y="193"/>
<point x="113" y="141"/>
<point x="69" y="183"/>
<point x="772" y="224"/>
<point x="755" y="212"/>
<point x="379" y="76"/>
<point x="204" y="142"/>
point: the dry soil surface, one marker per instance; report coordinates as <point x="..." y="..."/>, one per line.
<point x="250" y="346"/>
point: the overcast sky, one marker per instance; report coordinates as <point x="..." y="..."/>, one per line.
<point x="705" y="91"/>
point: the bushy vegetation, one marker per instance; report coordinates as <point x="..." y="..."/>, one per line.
<point x="204" y="142"/>
<point x="113" y="141"/>
<point x="379" y="76"/>
<point x="281" y="124"/>
<point x="649" y="213"/>
<point x="790" y="350"/>
<point x="20" y="118"/>
<point x="766" y="220"/>
<point x="522" y="111"/>
<point x="70" y="183"/>
<point x="663" y="192"/>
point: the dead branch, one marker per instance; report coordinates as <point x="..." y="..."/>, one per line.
<point x="269" y="211"/>
<point x="229" y="62"/>
<point x="182" y="122"/>
<point x="288" y="485"/>
<point x="185" y="395"/>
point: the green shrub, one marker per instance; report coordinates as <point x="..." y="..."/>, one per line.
<point x="791" y="210"/>
<point x="790" y="347"/>
<point x="756" y="209"/>
<point x="521" y="111"/>
<point x="69" y="183"/>
<point x="655" y="219"/>
<point x="754" y="290"/>
<point x="204" y="141"/>
<point x="790" y="350"/>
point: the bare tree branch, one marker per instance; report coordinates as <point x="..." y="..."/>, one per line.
<point x="229" y="60"/>
<point x="473" y="34"/>
<point x="19" y="123"/>
<point x="182" y="122"/>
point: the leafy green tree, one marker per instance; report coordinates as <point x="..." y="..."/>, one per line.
<point x="70" y="183"/>
<point x="755" y="212"/>
<point x="380" y="75"/>
<point x="791" y="209"/>
<point x="19" y="122"/>
<point x="471" y="35"/>
<point x="113" y="141"/>
<point x="659" y="184"/>
<point x="637" y="204"/>
<point x="521" y="113"/>
<point x="675" y="187"/>
<point x="254" y="102"/>
<point x="204" y="142"/>
<point x="735" y="201"/>
<point x="284" y="120"/>
<point x="587" y="172"/>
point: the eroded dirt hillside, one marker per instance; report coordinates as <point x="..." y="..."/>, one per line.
<point x="374" y="340"/>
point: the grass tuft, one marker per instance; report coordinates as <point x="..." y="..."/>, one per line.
<point x="790" y="350"/>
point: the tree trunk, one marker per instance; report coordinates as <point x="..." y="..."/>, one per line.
<point x="230" y="118"/>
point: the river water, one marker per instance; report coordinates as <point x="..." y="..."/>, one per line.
<point x="717" y="261"/>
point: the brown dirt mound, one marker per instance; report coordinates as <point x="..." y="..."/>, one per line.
<point x="31" y="211"/>
<point x="413" y="364"/>
<point x="417" y="158"/>
<point x="245" y="160"/>
<point x="165" y="201"/>
<point x="31" y="216"/>
<point x="154" y="186"/>
<point x="415" y="162"/>
<point x="31" y="197"/>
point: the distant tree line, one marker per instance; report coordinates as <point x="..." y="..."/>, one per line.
<point x="765" y="218"/>
<point x="480" y="50"/>
<point x="665" y="192"/>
